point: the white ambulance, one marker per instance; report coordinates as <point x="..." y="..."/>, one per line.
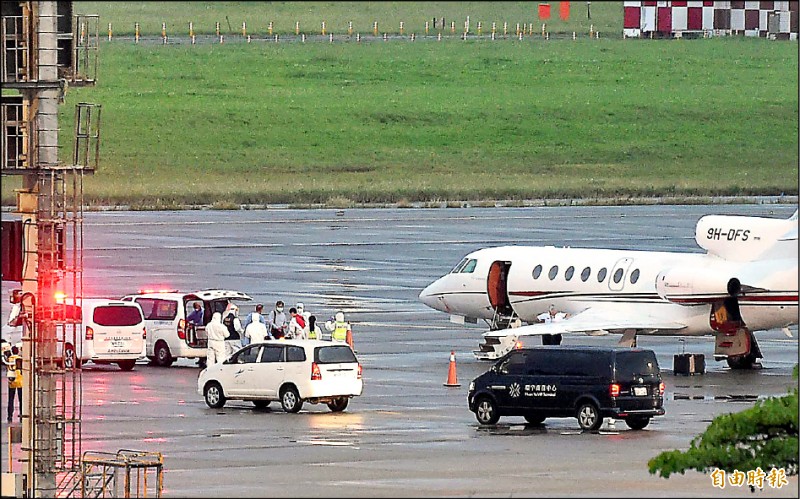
<point x="169" y="335"/>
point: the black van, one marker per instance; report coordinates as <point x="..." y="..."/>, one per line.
<point x="588" y="383"/>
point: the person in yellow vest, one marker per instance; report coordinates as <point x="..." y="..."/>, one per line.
<point x="338" y="326"/>
<point x="13" y="362"/>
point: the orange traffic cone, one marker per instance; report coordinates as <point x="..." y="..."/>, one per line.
<point x="452" y="378"/>
<point x="349" y="339"/>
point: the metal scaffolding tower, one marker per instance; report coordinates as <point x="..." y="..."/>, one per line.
<point x="46" y="48"/>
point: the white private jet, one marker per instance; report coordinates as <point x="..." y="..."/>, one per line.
<point x="747" y="281"/>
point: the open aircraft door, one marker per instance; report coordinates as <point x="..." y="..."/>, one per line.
<point x="497" y="289"/>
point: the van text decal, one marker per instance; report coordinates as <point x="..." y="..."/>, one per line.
<point x="540" y="390"/>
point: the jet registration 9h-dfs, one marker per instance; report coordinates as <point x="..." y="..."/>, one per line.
<point x="746" y="281"/>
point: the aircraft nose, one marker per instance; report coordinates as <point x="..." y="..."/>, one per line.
<point x="429" y="296"/>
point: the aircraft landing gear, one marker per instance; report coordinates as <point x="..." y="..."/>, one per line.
<point x="551" y="339"/>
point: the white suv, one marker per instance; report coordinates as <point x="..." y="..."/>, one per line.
<point x="292" y="371"/>
<point x="170" y="336"/>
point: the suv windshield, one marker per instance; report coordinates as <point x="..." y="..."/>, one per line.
<point x="334" y="355"/>
<point x="117" y="315"/>
<point x="636" y="363"/>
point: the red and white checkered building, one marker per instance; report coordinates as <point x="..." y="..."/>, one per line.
<point x="777" y="20"/>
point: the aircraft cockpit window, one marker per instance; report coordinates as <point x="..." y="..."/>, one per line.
<point x="458" y="267"/>
<point x="469" y="267"/>
<point x="553" y="272"/>
<point x="618" y="275"/>
<point x="537" y="271"/>
<point x="601" y="276"/>
<point x="634" y="276"/>
<point x="569" y="273"/>
<point x="586" y="273"/>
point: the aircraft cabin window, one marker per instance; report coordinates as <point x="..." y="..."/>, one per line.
<point x="458" y="267"/>
<point x="634" y="276"/>
<point x="537" y="271"/>
<point x="618" y="275"/>
<point x="469" y="267"/>
<point x="601" y="276"/>
<point x="585" y="274"/>
<point x="568" y="274"/>
<point x="553" y="272"/>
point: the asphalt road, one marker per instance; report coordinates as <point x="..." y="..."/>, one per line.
<point x="407" y="435"/>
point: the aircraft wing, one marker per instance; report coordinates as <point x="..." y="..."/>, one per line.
<point x="592" y="321"/>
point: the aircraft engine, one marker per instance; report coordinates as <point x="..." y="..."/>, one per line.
<point x="695" y="286"/>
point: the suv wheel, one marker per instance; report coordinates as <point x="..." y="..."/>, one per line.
<point x="637" y="422"/>
<point x="290" y="400"/>
<point x="163" y="355"/>
<point x="126" y="365"/>
<point x="338" y="404"/>
<point x="215" y="399"/>
<point x="486" y="411"/>
<point x="589" y="417"/>
<point x="534" y="418"/>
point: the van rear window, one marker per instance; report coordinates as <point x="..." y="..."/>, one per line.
<point x="159" y="310"/>
<point x="334" y="355"/>
<point x="636" y="363"/>
<point x="117" y="315"/>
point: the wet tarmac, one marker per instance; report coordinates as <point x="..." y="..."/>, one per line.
<point x="407" y="435"/>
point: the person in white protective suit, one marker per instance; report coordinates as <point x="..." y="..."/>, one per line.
<point x="217" y="332"/>
<point x="256" y="331"/>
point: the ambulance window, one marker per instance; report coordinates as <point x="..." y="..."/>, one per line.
<point x="568" y="274"/>
<point x="458" y="267"/>
<point x="618" y="275"/>
<point x="160" y="310"/>
<point x="634" y="276"/>
<point x="585" y="274"/>
<point x="601" y="276"/>
<point x="117" y="315"/>
<point x="553" y="272"/>
<point x="537" y="271"/>
<point x="469" y="267"/>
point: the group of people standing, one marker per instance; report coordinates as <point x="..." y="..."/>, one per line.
<point x="227" y="332"/>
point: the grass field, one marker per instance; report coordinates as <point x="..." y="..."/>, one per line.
<point x="605" y="16"/>
<point x="470" y="120"/>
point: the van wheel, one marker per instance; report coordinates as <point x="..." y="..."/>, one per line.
<point x="261" y="404"/>
<point x="126" y="365"/>
<point x="215" y="399"/>
<point x="338" y="404"/>
<point x="589" y="417"/>
<point x="534" y="418"/>
<point x="486" y="411"/>
<point x="70" y="359"/>
<point x="290" y="400"/>
<point x="637" y="422"/>
<point x="163" y="356"/>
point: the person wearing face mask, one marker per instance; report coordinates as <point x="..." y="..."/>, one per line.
<point x="277" y="321"/>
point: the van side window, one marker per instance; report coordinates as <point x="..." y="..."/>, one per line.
<point x="295" y="354"/>
<point x="272" y="354"/>
<point x="545" y="363"/>
<point x="515" y="363"/>
<point x="586" y="364"/>
<point x="247" y="356"/>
